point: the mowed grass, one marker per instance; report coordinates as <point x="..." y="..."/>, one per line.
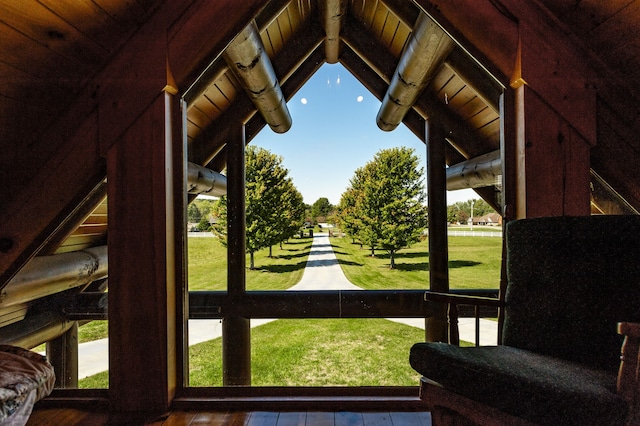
<point x="208" y="265"/>
<point x="318" y="352"/>
<point x="474" y="262"/>
<point x="328" y="352"/>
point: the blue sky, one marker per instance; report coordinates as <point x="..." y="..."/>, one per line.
<point x="334" y="132"/>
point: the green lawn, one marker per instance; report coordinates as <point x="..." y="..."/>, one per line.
<point x="318" y="352"/>
<point x="368" y="352"/>
<point x="208" y="265"/>
<point x="474" y="262"/>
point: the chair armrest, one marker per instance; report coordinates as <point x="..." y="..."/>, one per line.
<point x="459" y="299"/>
<point x="629" y="329"/>
<point x="628" y="386"/>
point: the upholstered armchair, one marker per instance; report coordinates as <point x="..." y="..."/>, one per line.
<point x="572" y="284"/>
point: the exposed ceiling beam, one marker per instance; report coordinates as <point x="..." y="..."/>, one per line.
<point x="425" y="52"/>
<point x="201" y="180"/>
<point x="249" y="62"/>
<point x="294" y="56"/>
<point x="383" y="64"/>
<point x="296" y="80"/>
<point x="332" y="14"/>
<point x="467" y="68"/>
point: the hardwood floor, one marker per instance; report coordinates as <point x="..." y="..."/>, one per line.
<point x="73" y="417"/>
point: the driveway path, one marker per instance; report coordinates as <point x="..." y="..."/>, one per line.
<point x="322" y="272"/>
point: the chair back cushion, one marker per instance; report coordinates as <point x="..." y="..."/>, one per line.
<point x="569" y="281"/>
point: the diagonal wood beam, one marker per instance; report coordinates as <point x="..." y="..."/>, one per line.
<point x="414" y="122"/>
<point x="295" y="55"/>
<point x="383" y="64"/>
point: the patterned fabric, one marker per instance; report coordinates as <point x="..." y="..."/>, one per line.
<point x="22" y="373"/>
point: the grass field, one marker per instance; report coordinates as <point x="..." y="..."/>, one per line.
<point x="474" y="262"/>
<point x="371" y="352"/>
<point x="208" y="265"/>
<point x="321" y="352"/>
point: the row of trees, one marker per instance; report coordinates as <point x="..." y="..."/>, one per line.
<point x="275" y="209"/>
<point x="382" y="208"/>
<point x="384" y="205"/>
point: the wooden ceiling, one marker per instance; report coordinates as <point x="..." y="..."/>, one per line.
<point x="51" y="49"/>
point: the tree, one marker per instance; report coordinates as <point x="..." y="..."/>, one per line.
<point x="292" y="211"/>
<point x="193" y="213"/>
<point x="385" y="203"/>
<point x="321" y="208"/>
<point x="272" y="204"/>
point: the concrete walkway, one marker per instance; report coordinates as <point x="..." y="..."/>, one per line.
<point x="322" y="272"/>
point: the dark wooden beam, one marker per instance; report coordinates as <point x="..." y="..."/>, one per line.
<point x="236" y="329"/>
<point x="436" y="324"/>
<point x="552" y="170"/>
<point x="141" y="232"/>
<point x="62" y="352"/>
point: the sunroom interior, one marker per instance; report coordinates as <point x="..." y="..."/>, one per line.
<point x="532" y="104"/>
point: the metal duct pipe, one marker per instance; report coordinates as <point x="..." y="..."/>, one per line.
<point x="46" y="275"/>
<point x="249" y="62"/>
<point x="426" y="50"/>
<point x="485" y="170"/>
<point x="333" y="16"/>
<point x="35" y="330"/>
<point x="201" y="180"/>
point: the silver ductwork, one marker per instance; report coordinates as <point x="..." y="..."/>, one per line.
<point x="248" y="61"/>
<point x="46" y="275"/>
<point x="484" y="170"/>
<point x="333" y="16"/>
<point x="201" y="180"/>
<point x="425" y="52"/>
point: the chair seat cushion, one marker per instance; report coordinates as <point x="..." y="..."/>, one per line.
<point x="537" y="388"/>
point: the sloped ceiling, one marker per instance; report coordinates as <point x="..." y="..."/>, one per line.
<point x="50" y="50"/>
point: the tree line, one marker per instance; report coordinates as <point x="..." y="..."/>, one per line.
<point x="383" y="207"/>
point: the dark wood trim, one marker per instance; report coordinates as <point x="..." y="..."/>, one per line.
<point x="436" y="329"/>
<point x="294" y="399"/>
<point x="62" y="353"/>
<point x="140" y="205"/>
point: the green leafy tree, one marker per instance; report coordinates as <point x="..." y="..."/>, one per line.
<point x="387" y="201"/>
<point x="270" y="203"/>
<point x="292" y="211"/>
<point x="348" y="219"/>
<point x="193" y="213"/>
<point x="321" y="208"/>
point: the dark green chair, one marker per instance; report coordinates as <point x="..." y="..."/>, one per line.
<point x="570" y="282"/>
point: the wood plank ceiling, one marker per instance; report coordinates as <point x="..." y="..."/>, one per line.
<point x="50" y="49"/>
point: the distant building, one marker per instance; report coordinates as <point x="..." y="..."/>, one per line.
<point x="488" y="219"/>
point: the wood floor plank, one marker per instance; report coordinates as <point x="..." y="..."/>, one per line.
<point x="348" y="418"/>
<point x="74" y="417"/>
<point x="405" y="418"/>
<point x="320" y="418"/>
<point x="292" y="419"/>
<point x="179" y="418"/>
<point x="263" y="418"/>
<point x="212" y="418"/>
<point x="377" y="419"/>
<point x="240" y="418"/>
